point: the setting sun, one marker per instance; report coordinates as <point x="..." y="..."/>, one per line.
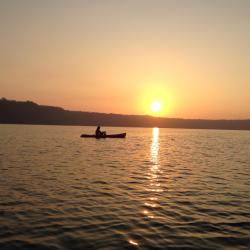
<point x="156" y="107"/>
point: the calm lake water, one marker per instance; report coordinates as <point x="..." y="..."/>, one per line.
<point x="156" y="189"/>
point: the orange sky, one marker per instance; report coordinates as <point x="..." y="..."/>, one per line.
<point x="120" y="56"/>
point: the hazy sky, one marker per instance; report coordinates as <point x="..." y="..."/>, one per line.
<point x="118" y="56"/>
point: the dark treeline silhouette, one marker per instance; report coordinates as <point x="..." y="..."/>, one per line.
<point x="18" y="112"/>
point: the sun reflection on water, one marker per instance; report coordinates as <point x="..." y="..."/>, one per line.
<point x="132" y="242"/>
<point x="154" y="186"/>
<point x="155" y="147"/>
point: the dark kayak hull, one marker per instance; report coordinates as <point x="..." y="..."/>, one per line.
<point x="123" y="135"/>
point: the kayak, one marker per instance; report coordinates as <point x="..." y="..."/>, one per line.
<point x="123" y="135"/>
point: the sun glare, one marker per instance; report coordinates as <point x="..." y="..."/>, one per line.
<point x="156" y="107"/>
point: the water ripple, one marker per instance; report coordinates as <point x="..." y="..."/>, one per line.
<point x="157" y="189"/>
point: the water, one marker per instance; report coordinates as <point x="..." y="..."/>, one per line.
<point x="156" y="189"/>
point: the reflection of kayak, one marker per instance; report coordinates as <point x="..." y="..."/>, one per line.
<point x="123" y="135"/>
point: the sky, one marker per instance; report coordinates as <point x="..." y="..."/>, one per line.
<point x="119" y="56"/>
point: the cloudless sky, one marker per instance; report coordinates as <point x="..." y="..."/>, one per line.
<point x="118" y="56"/>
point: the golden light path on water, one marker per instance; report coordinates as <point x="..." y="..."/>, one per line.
<point x="154" y="187"/>
<point x="153" y="174"/>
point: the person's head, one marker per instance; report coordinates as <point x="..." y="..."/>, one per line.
<point x="98" y="127"/>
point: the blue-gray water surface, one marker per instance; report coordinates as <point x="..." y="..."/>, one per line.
<point x="155" y="189"/>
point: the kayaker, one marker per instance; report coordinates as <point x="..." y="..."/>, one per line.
<point x="99" y="133"/>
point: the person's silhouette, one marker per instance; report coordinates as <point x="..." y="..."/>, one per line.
<point x="99" y="133"/>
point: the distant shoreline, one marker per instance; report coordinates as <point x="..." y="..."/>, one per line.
<point x="30" y="113"/>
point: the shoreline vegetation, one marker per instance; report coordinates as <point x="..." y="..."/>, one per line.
<point x="28" y="112"/>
